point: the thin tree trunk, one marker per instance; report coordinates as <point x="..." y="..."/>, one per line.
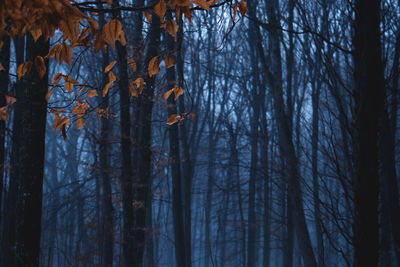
<point x="126" y="173"/>
<point x="107" y="206"/>
<point x="187" y="161"/>
<point x="314" y="167"/>
<point x="267" y="199"/>
<point x="175" y="160"/>
<point x="285" y="135"/>
<point x="144" y="172"/>
<point x="4" y="79"/>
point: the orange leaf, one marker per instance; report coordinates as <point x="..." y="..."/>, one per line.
<point x="122" y="39"/>
<point x="40" y="66"/>
<point x="133" y="90"/>
<point x="80" y="108"/>
<point x="101" y="112"/>
<point x="93" y="25"/>
<point x="69" y="79"/>
<point x="154" y="66"/>
<point x="132" y="63"/>
<point x="167" y="94"/>
<point x="173" y="118"/>
<point x="55" y="52"/>
<point x="49" y="93"/>
<point x="69" y="83"/>
<point x="169" y="62"/>
<point x="91" y="93"/>
<point x="57" y="111"/>
<point x="243" y="8"/>
<point x="106" y="88"/>
<point x="60" y="121"/>
<point x="10" y="100"/>
<point x="160" y="9"/>
<point x="70" y="28"/>
<point x="183" y="3"/>
<point x="172" y="27"/>
<point x="235" y="11"/>
<point x="1" y="67"/>
<point x="24" y="68"/>
<point x="98" y="43"/>
<point x="188" y="13"/>
<point x="110" y="66"/>
<point x="83" y="39"/>
<point x="178" y="13"/>
<point x="69" y="87"/>
<point x="80" y="122"/>
<point x="66" y="54"/>
<point x="36" y="32"/>
<point x="112" y="78"/>
<point x="139" y="82"/>
<point x="56" y="78"/>
<point x="3" y="113"/>
<point x="112" y="31"/>
<point x="178" y="91"/>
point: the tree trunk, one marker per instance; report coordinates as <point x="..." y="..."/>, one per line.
<point x="107" y="206"/>
<point x="144" y="147"/>
<point x="390" y="196"/>
<point x="126" y="172"/>
<point x="175" y="160"/>
<point x="187" y="160"/>
<point x="4" y="79"/>
<point x="285" y="136"/>
<point x="369" y="85"/>
<point x="267" y="191"/>
<point x="29" y="151"/>
<point x="10" y="207"/>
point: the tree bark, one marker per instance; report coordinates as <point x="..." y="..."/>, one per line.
<point x="175" y="160"/>
<point x="107" y="206"/>
<point x="126" y="172"/>
<point x="29" y="151"/>
<point x="369" y="88"/>
<point x="4" y="80"/>
<point x="143" y="185"/>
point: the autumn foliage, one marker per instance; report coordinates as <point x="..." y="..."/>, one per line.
<point x="41" y="19"/>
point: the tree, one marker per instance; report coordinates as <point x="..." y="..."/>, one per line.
<point x="369" y="88"/>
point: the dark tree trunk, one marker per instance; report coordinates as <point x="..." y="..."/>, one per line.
<point x="389" y="184"/>
<point x="10" y="208"/>
<point x="4" y="79"/>
<point x="369" y="88"/>
<point x="187" y="161"/>
<point x="126" y="172"/>
<point x="267" y="191"/>
<point x="143" y="185"/>
<point x="29" y="153"/>
<point x="107" y="206"/>
<point x="175" y="160"/>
